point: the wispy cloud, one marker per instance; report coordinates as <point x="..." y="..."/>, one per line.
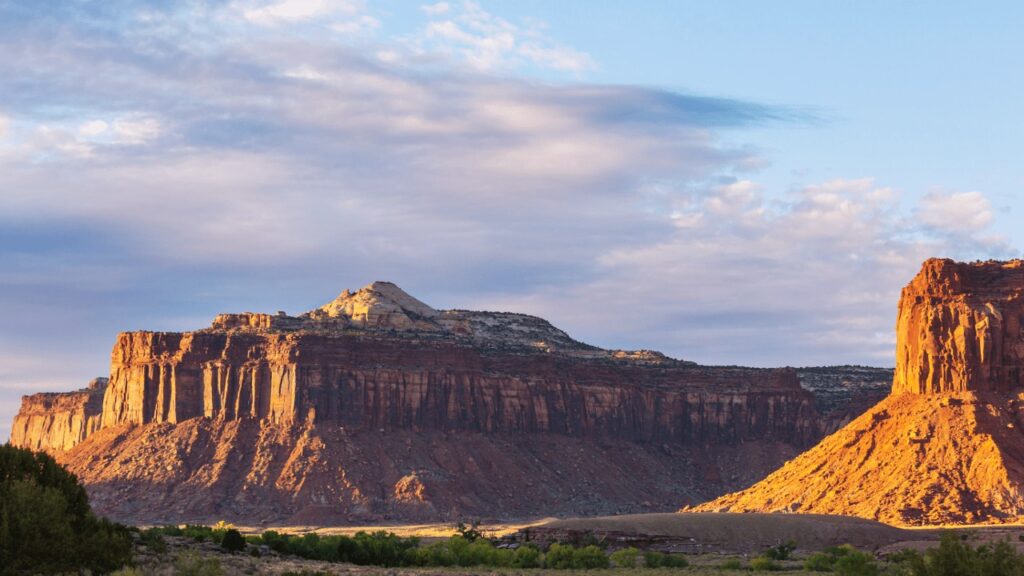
<point x="488" y="42"/>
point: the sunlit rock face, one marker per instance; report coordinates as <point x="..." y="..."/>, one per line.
<point x="946" y="446"/>
<point x="961" y="327"/>
<point x="378" y="406"/>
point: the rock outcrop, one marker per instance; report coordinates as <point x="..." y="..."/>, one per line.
<point x="377" y="405"/>
<point x="842" y="393"/>
<point x="56" y="422"/>
<point x="961" y="327"/>
<point x="946" y="446"/>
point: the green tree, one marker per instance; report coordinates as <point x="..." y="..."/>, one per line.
<point x="46" y="525"/>
<point x="232" y="541"/>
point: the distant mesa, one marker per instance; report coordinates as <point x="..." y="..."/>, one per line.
<point x="379" y="407"/>
<point x="947" y="445"/>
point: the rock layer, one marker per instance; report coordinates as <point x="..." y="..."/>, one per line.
<point x="481" y="412"/>
<point x="946" y="447"/>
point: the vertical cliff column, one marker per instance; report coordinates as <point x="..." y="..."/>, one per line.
<point x="960" y="328"/>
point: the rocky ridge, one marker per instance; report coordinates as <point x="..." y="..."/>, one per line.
<point x="377" y="406"/>
<point x="946" y="446"/>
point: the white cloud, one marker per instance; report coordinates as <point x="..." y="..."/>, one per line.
<point x="136" y="129"/>
<point x="347" y="17"/>
<point x="957" y="213"/>
<point x="5" y="125"/>
<point x="488" y="42"/>
<point x="92" y="128"/>
<point x="811" y="279"/>
<point x="296" y="10"/>
<point x="436" y="9"/>
<point x="360" y="25"/>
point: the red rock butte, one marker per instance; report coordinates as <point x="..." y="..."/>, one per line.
<point x="376" y="406"/>
<point x="961" y="327"/>
<point x="946" y="446"/>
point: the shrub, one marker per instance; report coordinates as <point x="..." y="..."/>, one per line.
<point x="953" y="556"/>
<point x="527" y="556"/>
<point x="275" y="541"/>
<point x="232" y="541"/>
<point x="855" y="563"/>
<point x="192" y="564"/>
<point x="782" y="551"/>
<point x="625" y="558"/>
<point x="732" y="564"/>
<point x="153" y="539"/>
<point x="470" y="532"/>
<point x="764" y="563"/>
<point x="559" y="557"/>
<point x="379" y="548"/>
<point x="199" y="533"/>
<point x="589" y="557"/>
<point x="654" y="559"/>
<point x="46" y="525"/>
<point x="819" y="562"/>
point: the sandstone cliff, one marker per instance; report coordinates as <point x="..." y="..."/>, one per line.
<point x="947" y="445"/>
<point x="961" y="327"/>
<point x="376" y="405"/>
<point x="58" y="421"/>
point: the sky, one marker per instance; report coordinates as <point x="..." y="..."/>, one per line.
<point x="726" y="182"/>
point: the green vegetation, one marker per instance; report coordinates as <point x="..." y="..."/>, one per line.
<point x="781" y="552"/>
<point x="856" y="563"/>
<point x="625" y="558"/>
<point x="192" y="564"/>
<point x="764" y="563"/>
<point x="661" y="560"/>
<point x="732" y="564"/>
<point x="232" y="541"/>
<point x="46" y="525"/>
<point x="954" y="556"/>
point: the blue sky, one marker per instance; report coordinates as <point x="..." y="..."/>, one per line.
<point x="728" y="182"/>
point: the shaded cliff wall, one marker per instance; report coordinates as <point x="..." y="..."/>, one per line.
<point x="58" y="421"/>
<point x="379" y="383"/>
<point x="961" y="327"/>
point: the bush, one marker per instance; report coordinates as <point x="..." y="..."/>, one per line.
<point x="732" y="564"/>
<point x="764" y="563"/>
<point x="470" y="532"/>
<point x="232" y="541"/>
<point x="153" y="539"/>
<point x="527" y="556"/>
<point x="625" y="558"/>
<point x="855" y="563"/>
<point x="819" y="562"/>
<point x="192" y="564"/>
<point x="782" y="551"/>
<point x="953" y="556"/>
<point x="559" y="557"/>
<point x="46" y="525"/>
<point x="589" y="557"/>
<point x="654" y="559"/>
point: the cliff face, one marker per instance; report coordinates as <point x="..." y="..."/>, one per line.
<point x="58" y="421"/>
<point x="946" y="446"/>
<point x="961" y="327"/>
<point x="357" y="381"/>
<point x="293" y="411"/>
